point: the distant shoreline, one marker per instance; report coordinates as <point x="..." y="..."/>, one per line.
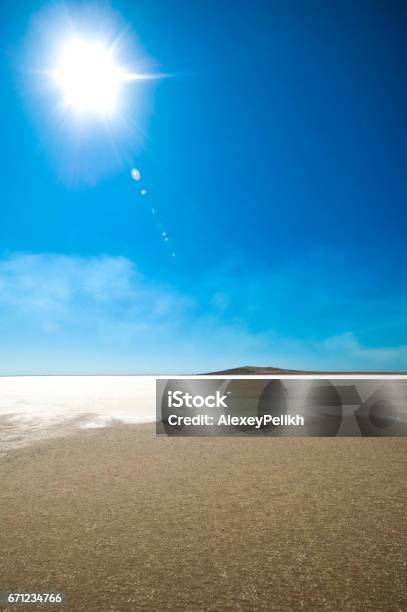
<point x="253" y="370"/>
<point x="239" y="371"/>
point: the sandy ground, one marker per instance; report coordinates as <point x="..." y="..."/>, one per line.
<point x="118" y="519"/>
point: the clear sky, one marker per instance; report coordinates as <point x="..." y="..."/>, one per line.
<point x="274" y="155"/>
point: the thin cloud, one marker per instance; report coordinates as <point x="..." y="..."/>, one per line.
<point x="71" y="314"/>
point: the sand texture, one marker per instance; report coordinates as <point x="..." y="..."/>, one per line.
<point x="118" y="519"/>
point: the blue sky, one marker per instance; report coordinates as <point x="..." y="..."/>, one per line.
<point x="274" y="157"/>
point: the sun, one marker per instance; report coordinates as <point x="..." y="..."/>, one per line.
<point x="88" y="77"/>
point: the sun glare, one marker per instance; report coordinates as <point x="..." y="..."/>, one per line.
<point x="88" y="77"/>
